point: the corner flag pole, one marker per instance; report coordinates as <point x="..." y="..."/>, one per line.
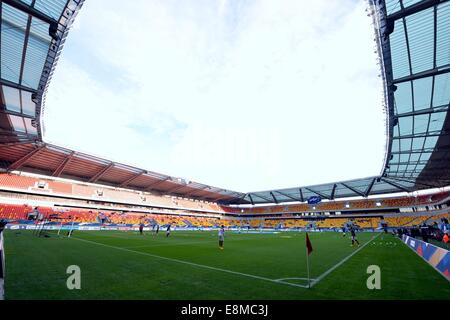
<point x="309" y="249"/>
<point x="307" y="267"/>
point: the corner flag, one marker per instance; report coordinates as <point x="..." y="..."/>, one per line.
<point x="308" y="245"/>
<point x="309" y="249"/>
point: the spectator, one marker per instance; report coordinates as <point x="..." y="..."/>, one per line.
<point x="424" y="234"/>
<point x="2" y="225"/>
<point x="446" y="238"/>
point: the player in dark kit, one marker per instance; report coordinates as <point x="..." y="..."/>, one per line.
<point x="354" y="240"/>
<point x="221" y="237"/>
<point x="168" y="231"/>
<point x="141" y="228"/>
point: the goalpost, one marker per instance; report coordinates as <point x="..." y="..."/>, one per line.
<point x="51" y="225"/>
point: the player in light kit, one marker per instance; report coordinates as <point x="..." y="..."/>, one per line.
<point x="221" y="236"/>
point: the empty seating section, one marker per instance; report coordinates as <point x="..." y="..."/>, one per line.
<point x="422" y="200"/>
<point x="14" y="211"/>
<point x="48" y="186"/>
<point x="20" y="212"/>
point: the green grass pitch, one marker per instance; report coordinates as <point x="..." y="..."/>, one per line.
<point x="189" y="265"/>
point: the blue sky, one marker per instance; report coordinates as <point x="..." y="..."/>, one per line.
<point x="244" y="95"/>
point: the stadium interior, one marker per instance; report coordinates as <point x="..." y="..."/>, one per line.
<point x="50" y="186"/>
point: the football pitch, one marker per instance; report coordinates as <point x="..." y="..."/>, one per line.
<point x="189" y="265"/>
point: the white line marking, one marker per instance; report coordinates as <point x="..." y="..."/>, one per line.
<point x="296" y="278"/>
<point x="323" y="275"/>
<point x="192" y="264"/>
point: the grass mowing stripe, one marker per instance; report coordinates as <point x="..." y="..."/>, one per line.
<point x="182" y="243"/>
<point x="337" y="265"/>
<point x="192" y="264"/>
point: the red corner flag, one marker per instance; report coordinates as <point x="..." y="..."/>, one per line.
<point x="308" y="245"/>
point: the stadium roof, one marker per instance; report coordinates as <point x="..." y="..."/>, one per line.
<point x="413" y="39"/>
<point x="51" y="160"/>
<point x="32" y="35"/>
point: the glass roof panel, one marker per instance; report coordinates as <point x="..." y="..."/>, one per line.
<point x="430" y="142"/>
<point x="403" y="98"/>
<point x="405" y="144"/>
<point x="420" y="28"/>
<point x="17" y="123"/>
<point x="37" y="50"/>
<point x="14" y="23"/>
<point x="399" y="51"/>
<point x="12" y="98"/>
<point x="381" y="187"/>
<point x="396" y="145"/>
<point x="405" y="125"/>
<point x="30" y="129"/>
<point x="421" y="123"/>
<point x="28" y="106"/>
<point x="443" y="35"/>
<point x="52" y="8"/>
<point x="422" y="93"/>
<point x="441" y="94"/>
<point x="404" y="157"/>
<point x="418" y="143"/>
<point x="392" y="6"/>
<point x="425" y="156"/>
<point x="342" y="191"/>
<point x="437" y="121"/>
<point x="414" y="157"/>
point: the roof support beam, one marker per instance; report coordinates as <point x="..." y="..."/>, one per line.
<point x="13" y="113"/>
<point x="423" y="135"/>
<point x="424" y="150"/>
<point x="353" y="189"/>
<point x="251" y="199"/>
<point x="422" y="5"/>
<point x="369" y="188"/>
<point x="274" y="198"/>
<point x="395" y="185"/>
<point x="421" y="75"/>
<point x="20" y="162"/>
<point x="63" y="165"/>
<point x="333" y="191"/>
<point x="322" y="195"/>
<point x="301" y="195"/>
<point x="16" y="86"/>
<point x="126" y="182"/>
<point x="101" y="173"/>
<point x="443" y="108"/>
